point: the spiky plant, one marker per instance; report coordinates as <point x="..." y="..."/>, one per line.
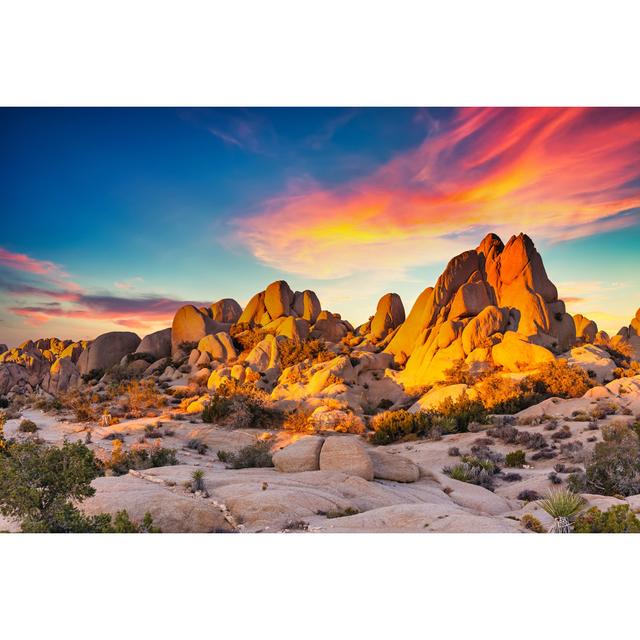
<point x="563" y="506"/>
<point x="197" y="481"/>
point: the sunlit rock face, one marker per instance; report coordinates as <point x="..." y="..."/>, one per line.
<point x="226" y="310"/>
<point x="389" y="315"/>
<point x="629" y="337"/>
<point x="278" y="301"/>
<point x="586" y="330"/>
<point x="191" y="325"/>
<point x="483" y="294"/>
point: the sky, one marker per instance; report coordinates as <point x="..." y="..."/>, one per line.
<point x="111" y="219"/>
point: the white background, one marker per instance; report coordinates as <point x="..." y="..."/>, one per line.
<point x="318" y="53"/>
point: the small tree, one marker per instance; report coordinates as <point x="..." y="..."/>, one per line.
<point x="39" y="484"/>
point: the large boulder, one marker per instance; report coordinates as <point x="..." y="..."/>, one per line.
<point x="586" y="329"/>
<point x="387" y="466"/>
<point x="265" y="355"/>
<point x="516" y="353"/>
<point x="227" y="311"/>
<point x="593" y="360"/>
<point x="302" y="455"/>
<point x="190" y="325"/>
<point x="158" y="344"/>
<point x="307" y="305"/>
<point x="489" y="321"/>
<point x="62" y="376"/>
<point x="346" y="454"/>
<point x="219" y="347"/>
<point x="107" y="350"/>
<point x="172" y="511"/>
<point x="277" y="299"/>
<point x="389" y="315"/>
<point x="331" y="329"/>
<point x="12" y="375"/>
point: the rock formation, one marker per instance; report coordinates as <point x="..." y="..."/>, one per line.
<point x="629" y="335"/>
<point x="586" y="329"/>
<point x="277" y="301"/>
<point x="191" y="325"/>
<point x="389" y="315"/>
<point x="107" y="350"/>
<point x="157" y="344"/>
<point x="226" y="310"/>
<point x="483" y="296"/>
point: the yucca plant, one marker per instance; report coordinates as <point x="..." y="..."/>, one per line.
<point x="563" y="506"/>
<point x="197" y="481"/>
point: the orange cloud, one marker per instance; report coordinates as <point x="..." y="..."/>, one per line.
<point x="556" y="173"/>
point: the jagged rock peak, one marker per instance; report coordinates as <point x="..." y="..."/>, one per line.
<point x="508" y="279"/>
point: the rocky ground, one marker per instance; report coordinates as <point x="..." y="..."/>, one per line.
<point x="330" y="482"/>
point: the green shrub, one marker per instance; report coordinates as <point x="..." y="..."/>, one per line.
<point x="3" y="421"/>
<point x="614" y="468"/>
<point x="139" y="458"/>
<point x="241" y="406"/>
<point x="391" y="426"/>
<point x="558" y="379"/>
<point x="532" y="523"/>
<point x="515" y="459"/>
<point x="349" y="511"/>
<point x="28" y="426"/>
<point x="122" y="523"/>
<point x="92" y="376"/>
<point x="253" y="455"/>
<point x="197" y="445"/>
<point x="140" y="355"/>
<point x="294" y="352"/>
<point x="41" y="486"/>
<point x="461" y="412"/>
<point x="616" y="519"/>
<point x="529" y="495"/>
<point x="473" y="471"/>
<point x="80" y="403"/>
<point x="459" y="373"/>
<point x="502" y="395"/>
<point x="246" y="337"/>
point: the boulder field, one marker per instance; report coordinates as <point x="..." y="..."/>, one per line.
<point x="492" y="308"/>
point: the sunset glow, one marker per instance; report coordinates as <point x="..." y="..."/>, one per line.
<point x="194" y="205"/>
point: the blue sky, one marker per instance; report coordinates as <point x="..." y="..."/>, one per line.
<point x="111" y="218"/>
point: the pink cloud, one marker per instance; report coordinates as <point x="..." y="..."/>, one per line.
<point x="554" y="173"/>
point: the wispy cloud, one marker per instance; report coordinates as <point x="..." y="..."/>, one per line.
<point x="322" y="137"/>
<point x="554" y="173"/>
<point x="40" y="291"/>
<point x="239" y="128"/>
<point x="129" y="284"/>
<point x="138" y="312"/>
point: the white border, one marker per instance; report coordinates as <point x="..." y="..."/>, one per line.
<point x="329" y="53"/>
<point x="335" y="52"/>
